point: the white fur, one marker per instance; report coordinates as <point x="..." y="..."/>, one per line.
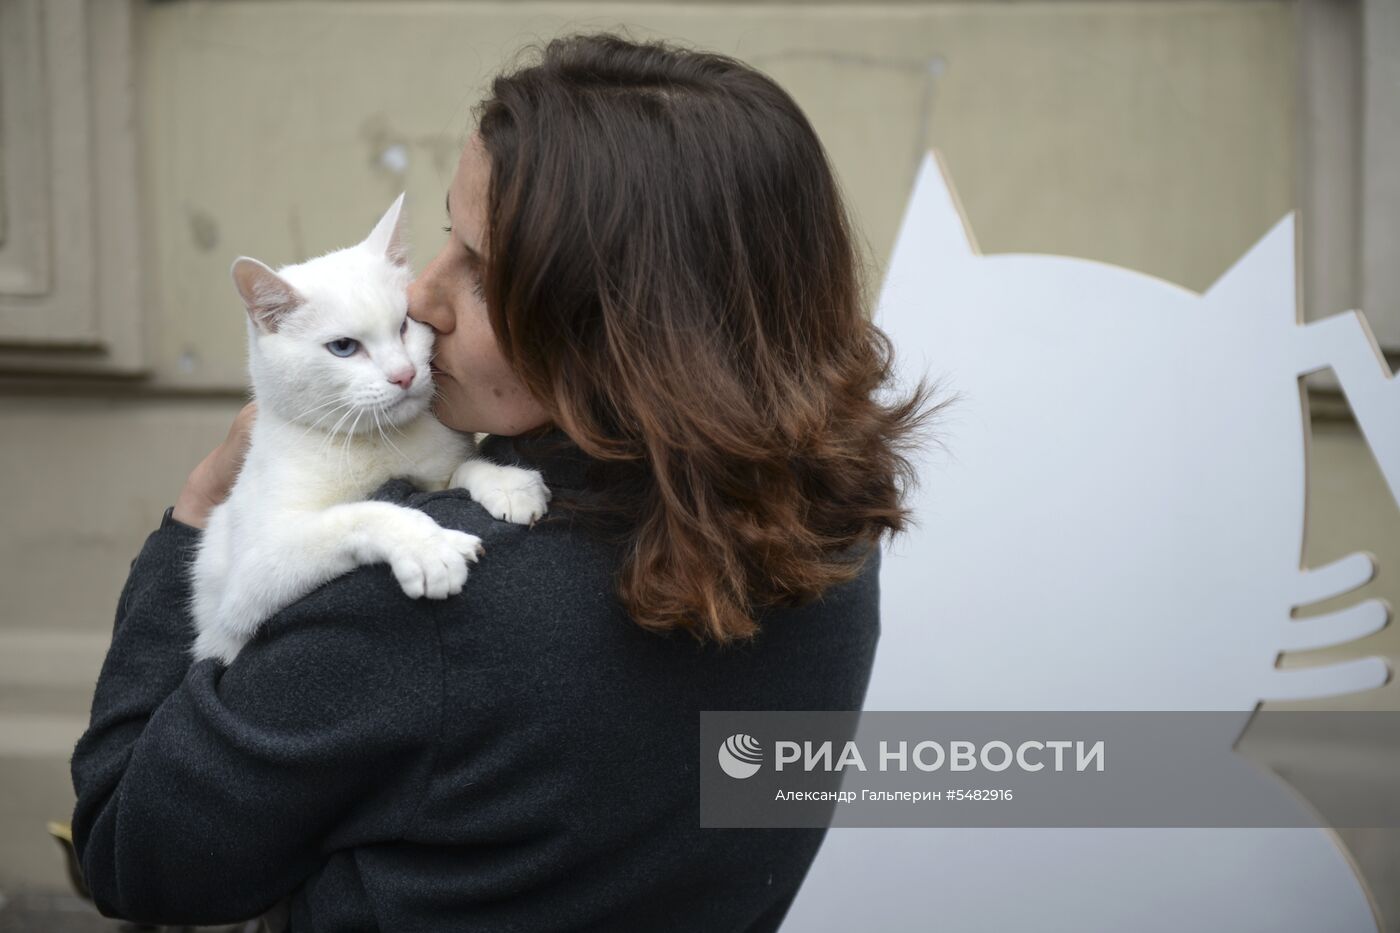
<point x="329" y="431"/>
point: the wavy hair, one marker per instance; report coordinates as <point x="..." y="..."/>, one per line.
<point x="671" y="273"/>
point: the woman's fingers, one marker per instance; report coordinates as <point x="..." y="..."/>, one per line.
<point x="226" y="459"/>
<point x="209" y="483"/>
<point x="240" y="434"/>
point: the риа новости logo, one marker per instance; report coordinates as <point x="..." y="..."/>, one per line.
<point x="740" y="756"/>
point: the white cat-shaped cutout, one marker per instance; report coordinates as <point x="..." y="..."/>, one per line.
<point x="1116" y="523"/>
<point x="337" y="367"/>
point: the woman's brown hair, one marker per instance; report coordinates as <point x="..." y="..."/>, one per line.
<point x="671" y="273"/>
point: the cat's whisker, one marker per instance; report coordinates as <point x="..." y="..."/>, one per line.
<point x="350" y="437"/>
<point x="385" y="438"/>
<point x="282" y="427"/>
<point x="342" y="399"/>
<point x="325" y="440"/>
<point x="337" y="402"/>
<point x="349" y="409"/>
<point x="340" y="446"/>
<point x="311" y="427"/>
<point x="335" y="429"/>
<point x="350" y="434"/>
<point x="317" y="405"/>
<point x="332" y="401"/>
<point x="397" y="430"/>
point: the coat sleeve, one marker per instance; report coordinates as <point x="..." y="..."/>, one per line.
<point x="206" y="794"/>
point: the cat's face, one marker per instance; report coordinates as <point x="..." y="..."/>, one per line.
<point x="331" y="345"/>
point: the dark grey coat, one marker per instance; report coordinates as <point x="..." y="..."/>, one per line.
<point x="519" y="757"/>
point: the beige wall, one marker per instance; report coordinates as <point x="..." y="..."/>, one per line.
<point x="1067" y="125"/>
<point x="1159" y="136"/>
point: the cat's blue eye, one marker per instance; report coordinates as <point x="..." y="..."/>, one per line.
<point x="345" y="346"/>
<point x="403" y="328"/>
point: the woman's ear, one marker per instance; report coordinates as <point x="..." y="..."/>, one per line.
<point x="266" y="295"/>
<point x="387" y="238"/>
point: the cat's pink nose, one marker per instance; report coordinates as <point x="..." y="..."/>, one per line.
<point x="403" y="378"/>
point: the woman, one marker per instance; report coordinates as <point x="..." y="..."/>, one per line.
<point x="648" y="292"/>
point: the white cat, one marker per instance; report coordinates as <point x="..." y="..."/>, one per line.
<point x="337" y="367"/>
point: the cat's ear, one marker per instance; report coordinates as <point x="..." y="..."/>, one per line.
<point x="387" y="238"/>
<point x="266" y="295"/>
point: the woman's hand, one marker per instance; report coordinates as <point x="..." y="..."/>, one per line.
<point x="210" y="482"/>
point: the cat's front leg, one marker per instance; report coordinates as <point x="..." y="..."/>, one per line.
<point x="427" y="559"/>
<point x="509" y="493"/>
<point x="309" y="549"/>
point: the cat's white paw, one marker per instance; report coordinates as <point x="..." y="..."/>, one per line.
<point x="217" y="643"/>
<point x="522" y="500"/>
<point x="429" y="560"/>
<point x="510" y="494"/>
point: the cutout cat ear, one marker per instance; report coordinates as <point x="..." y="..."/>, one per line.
<point x="933" y="241"/>
<point x="266" y="295"/>
<point x="1262" y="283"/>
<point x="387" y="237"/>
<point x="934" y="218"/>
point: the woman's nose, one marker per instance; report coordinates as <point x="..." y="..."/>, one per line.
<point x="427" y="300"/>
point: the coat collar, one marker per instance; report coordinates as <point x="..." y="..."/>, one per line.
<point x="558" y="459"/>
